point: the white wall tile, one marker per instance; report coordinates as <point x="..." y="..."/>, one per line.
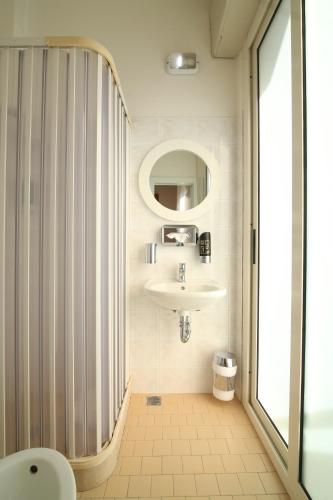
<point x="159" y="361"/>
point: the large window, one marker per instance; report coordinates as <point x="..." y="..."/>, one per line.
<point x="275" y="219"/>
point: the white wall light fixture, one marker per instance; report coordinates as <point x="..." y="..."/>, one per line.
<point x="182" y="63"/>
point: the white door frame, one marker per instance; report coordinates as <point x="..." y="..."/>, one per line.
<point x="286" y="462"/>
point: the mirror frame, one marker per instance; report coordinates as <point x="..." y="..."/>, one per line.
<point x="167" y="147"/>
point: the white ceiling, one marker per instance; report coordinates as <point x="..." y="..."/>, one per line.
<point x="230" y="22"/>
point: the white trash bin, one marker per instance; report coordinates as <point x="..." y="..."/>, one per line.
<point x="224" y="367"/>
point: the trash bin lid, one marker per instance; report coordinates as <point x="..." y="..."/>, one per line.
<point x="227" y="359"/>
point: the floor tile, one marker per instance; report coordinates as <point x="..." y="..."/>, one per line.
<point x="134" y="433"/>
<point x="241" y="418"/>
<point x="196" y="498"/>
<point x="139" y="486"/>
<point x="222" y="431"/>
<point x="171" y="432"/>
<point x="130" y="466"/>
<point x="171" y="409"/>
<point x="188" y="432"/>
<point x="117" y="486"/>
<point x="250" y="483"/>
<point x="143" y="448"/>
<point x="244" y="497"/>
<point x="200" y="410"/>
<point x="137" y="411"/>
<point x="154" y="410"/>
<point x="212" y="464"/>
<point x="253" y="463"/>
<point x="237" y="446"/>
<point x="146" y="498"/>
<point x="268" y="464"/>
<point x="205" y="431"/>
<point x="179" y="420"/>
<point x="199" y="447"/>
<point x="224" y="497"/>
<point x="211" y="419"/>
<point x="181" y="447"/>
<point x="218" y="446"/>
<point x="137" y="400"/>
<point x="118" y="498"/>
<point x="162" y="486"/>
<point x="226" y="419"/>
<point x="145" y="420"/>
<point x="132" y="421"/>
<point x="184" y="485"/>
<point x="233" y="463"/>
<point x="151" y="465"/>
<point x="192" y="464"/>
<point x="172" y="398"/>
<point x="172" y="498"/>
<point x="162" y="447"/>
<point x="271" y="482"/>
<point x="172" y="465"/>
<point x="185" y="408"/>
<point x="229" y="484"/>
<point x="154" y="433"/>
<point x="253" y="445"/>
<point x="242" y="431"/>
<point x="126" y="449"/>
<point x="162" y="420"/>
<point x="206" y="484"/>
<point x="268" y="497"/>
<point x="195" y="419"/>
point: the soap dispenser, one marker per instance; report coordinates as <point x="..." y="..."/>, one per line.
<point x="205" y="248"/>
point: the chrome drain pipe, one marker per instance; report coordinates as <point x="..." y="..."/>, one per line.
<point x="185" y="326"/>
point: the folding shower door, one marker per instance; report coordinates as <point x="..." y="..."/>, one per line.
<point x="63" y="156"/>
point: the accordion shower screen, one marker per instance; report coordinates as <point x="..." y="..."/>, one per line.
<point x="63" y="156"/>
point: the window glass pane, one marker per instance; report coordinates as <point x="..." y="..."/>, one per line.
<point x="318" y="386"/>
<point x="275" y="219"/>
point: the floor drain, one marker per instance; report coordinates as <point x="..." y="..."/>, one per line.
<point x="154" y="401"/>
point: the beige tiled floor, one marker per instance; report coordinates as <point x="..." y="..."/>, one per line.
<point x="192" y="446"/>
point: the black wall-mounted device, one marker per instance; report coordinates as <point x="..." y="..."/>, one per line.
<point x="205" y="248"/>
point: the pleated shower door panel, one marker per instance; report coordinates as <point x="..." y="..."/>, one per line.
<point x="63" y="158"/>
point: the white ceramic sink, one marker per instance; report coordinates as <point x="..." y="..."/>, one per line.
<point x="189" y="296"/>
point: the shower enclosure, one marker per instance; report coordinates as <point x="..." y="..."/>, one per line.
<point x="64" y="136"/>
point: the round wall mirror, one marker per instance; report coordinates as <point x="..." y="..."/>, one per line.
<point x="178" y="179"/>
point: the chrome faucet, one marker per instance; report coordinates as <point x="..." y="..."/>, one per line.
<point x="181" y="272"/>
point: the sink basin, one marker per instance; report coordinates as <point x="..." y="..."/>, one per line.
<point x="188" y="296"/>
